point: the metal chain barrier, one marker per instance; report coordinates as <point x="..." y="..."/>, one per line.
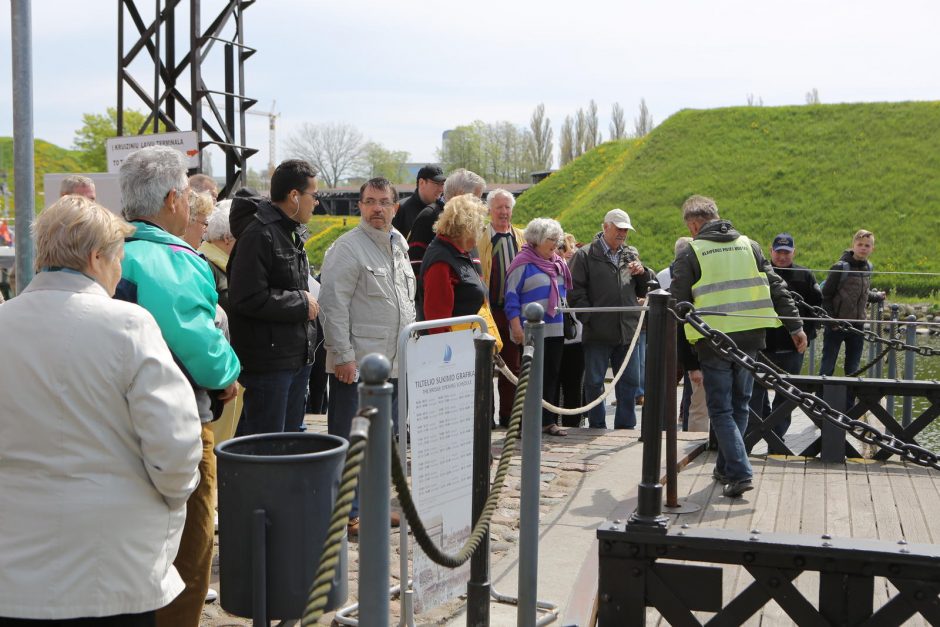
<point x="329" y="558"/>
<point x="874" y="361"/>
<point x="481" y="527"/>
<point x="871" y="336"/>
<point x="608" y="390"/>
<point x="809" y="403"/>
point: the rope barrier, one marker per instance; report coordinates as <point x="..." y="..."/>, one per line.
<point x="506" y="372"/>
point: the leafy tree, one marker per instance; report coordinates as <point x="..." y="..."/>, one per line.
<point x="97" y="128"/>
<point x="379" y="161"/>
<point x="499" y="152"/>
<point x="541" y="129"/>
<point x="592" y="136"/>
<point x="618" y="126"/>
<point x="336" y="150"/>
<point x="643" y="123"/>
<point x="566" y="150"/>
<point x="580" y="133"/>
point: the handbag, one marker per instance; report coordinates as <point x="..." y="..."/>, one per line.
<point x="569" y="324"/>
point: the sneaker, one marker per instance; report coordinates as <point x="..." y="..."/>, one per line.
<point x="720" y="478"/>
<point x="352" y="527"/>
<point x="211" y="596"/>
<point x="737" y="488"/>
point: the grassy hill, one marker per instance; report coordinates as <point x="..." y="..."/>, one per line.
<point x="820" y="172"/>
<point x="48" y="158"/>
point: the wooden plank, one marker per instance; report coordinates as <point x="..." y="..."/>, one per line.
<point x="838" y="512"/>
<point x="887" y="523"/>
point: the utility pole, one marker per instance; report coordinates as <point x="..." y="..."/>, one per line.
<point x="272" y="135"/>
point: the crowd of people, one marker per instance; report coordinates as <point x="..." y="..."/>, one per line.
<point x="190" y="309"/>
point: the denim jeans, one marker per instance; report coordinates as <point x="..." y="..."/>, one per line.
<point x="641" y="356"/>
<point x="343" y="405"/>
<point x="727" y="392"/>
<point x="832" y="342"/>
<point x="274" y="401"/>
<point x="788" y="361"/>
<point x="596" y="359"/>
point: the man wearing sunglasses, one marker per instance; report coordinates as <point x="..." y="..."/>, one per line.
<point x="271" y="310"/>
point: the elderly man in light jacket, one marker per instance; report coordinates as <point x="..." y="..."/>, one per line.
<point x="367" y="298"/>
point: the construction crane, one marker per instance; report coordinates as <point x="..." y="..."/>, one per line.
<point x="272" y="134"/>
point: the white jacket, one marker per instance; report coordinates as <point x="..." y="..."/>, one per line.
<point x="99" y="449"/>
<point x="367" y="295"/>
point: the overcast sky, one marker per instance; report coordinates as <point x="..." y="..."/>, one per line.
<point x="403" y="72"/>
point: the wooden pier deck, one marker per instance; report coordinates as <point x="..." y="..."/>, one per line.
<point x="889" y="501"/>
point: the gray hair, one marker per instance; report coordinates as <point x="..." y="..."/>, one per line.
<point x="699" y="208"/>
<point x="73" y="182"/>
<point x="681" y="243"/>
<point x="541" y="229"/>
<point x="219" y="227"/>
<point x="147" y="176"/>
<point x="463" y="181"/>
<point x="496" y="193"/>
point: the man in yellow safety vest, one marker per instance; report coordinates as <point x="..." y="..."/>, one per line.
<point x="724" y="272"/>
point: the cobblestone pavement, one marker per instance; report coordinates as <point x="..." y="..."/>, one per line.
<point x="565" y="462"/>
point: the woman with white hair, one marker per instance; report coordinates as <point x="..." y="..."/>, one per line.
<point x="99" y="436"/>
<point x="217" y="248"/>
<point x="538" y="274"/>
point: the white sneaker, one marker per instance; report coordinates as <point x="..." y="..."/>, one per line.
<point x="212" y="596"/>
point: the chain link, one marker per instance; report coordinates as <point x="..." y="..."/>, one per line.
<point x="871" y="336"/>
<point x="808" y="403"/>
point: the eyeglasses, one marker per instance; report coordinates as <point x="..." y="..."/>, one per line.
<point x="314" y="195"/>
<point x="385" y="203"/>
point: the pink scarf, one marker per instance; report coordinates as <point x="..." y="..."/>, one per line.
<point x="552" y="267"/>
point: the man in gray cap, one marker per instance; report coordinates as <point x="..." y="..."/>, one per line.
<point x="608" y="273"/>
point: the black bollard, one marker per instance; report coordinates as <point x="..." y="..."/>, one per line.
<point x="649" y="511"/>
<point x="478" y="588"/>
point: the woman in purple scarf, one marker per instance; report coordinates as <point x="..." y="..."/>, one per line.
<point x="538" y="274"/>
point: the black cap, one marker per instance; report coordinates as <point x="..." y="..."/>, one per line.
<point x="784" y="241"/>
<point x="432" y="172"/>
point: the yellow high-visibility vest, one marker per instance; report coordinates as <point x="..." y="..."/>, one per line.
<point x="730" y="283"/>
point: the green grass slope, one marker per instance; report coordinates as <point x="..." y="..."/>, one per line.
<point x="47" y="157"/>
<point x="820" y="172"/>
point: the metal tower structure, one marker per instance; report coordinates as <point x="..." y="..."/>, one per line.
<point x="179" y="89"/>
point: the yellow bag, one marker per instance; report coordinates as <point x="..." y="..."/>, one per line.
<point x="487" y="315"/>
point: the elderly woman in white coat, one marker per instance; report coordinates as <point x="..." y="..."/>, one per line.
<point x="99" y="436"/>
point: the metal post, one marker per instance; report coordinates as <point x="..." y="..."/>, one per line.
<point x="649" y="510"/>
<point x="478" y="588"/>
<point x="23" y="161"/>
<point x="259" y="571"/>
<point x="812" y="356"/>
<point x="374" y="492"/>
<point x="669" y="411"/>
<point x="879" y="316"/>
<point x="911" y="338"/>
<point x="531" y="469"/>
<point x="230" y="155"/>
<point x="892" y="357"/>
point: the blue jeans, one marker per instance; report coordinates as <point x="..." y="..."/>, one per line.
<point x="274" y="401"/>
<point x="597" y="357"/>
<point x="641" y="355"/>
<point x="788" y="361"/>
<point x="727" y="392"/>
<point x="832" y="342"/>
<point x="343" y="405"/>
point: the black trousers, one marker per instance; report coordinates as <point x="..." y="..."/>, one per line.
<point x="572" y="382"/>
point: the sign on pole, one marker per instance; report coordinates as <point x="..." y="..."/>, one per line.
<point x="118" y="148"/>
<point x="440" y="412"/>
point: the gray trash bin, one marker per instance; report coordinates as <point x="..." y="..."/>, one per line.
<point x="294" y="478"/>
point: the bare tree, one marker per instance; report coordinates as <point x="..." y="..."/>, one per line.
<point x="335" y="149"/>
<point x="580" y="133"/>
<point x="812" y="97"/>
<point x="592" y="136"/>
<point x="618" y="125"/>
<point x="541" y="129"/>
<point x="566" y="151"/>
<point x="643" y="123"/>
<point x="754" y="101"/>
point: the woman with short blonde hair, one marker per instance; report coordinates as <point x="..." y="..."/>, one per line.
<point x="101" y="436"/>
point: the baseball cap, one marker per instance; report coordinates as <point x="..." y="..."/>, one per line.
<point x="432" y="172"/>
<point x="619" y="218"/>
<point x="784" y="241"/>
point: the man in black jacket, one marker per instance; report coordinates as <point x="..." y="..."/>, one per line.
<point x="608" y="273"/>
<point x="780" y="349"/>
<point x="272" y="311"/>
<point x="429" y="186"/>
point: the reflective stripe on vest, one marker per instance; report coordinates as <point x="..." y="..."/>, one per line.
<point x="730" y="283"/>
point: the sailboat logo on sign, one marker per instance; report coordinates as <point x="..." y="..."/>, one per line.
<point x="448" y="353"/>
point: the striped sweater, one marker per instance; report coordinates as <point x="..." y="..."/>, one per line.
<point x="527" y="284"/>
